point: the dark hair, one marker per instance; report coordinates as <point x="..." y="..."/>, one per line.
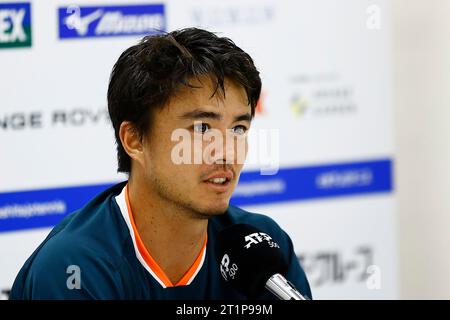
<point x="146" y="75"/>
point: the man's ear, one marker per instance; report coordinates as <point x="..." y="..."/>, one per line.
<point x="131" y="142"/>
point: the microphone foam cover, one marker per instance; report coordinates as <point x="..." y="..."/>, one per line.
<point x="248" y="257"/>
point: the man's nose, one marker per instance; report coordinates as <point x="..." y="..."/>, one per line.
<point x="225" y="152"/>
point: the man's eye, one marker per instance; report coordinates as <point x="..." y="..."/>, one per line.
<point x="201" y="127"/>
<point x="240" y="129"/>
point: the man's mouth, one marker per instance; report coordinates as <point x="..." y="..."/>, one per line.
<point x="218" y="187"/>
<point x="221" y="177"/>
<point x="220" y="181"/>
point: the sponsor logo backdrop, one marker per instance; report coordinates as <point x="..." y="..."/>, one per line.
<point x="326" y="90"/>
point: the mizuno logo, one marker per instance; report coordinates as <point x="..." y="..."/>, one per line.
<point x="80" y="24"/>
<point x="107" y="21"/>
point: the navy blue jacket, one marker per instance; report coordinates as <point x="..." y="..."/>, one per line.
<point x="97" y="240"/>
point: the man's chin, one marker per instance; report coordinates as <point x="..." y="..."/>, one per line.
<point x="213" y="209"/>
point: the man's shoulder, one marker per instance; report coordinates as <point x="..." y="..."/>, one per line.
<point x="90" y="240"/>
<point x="97" y="227"/>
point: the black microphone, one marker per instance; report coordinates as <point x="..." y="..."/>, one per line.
<point x="250" y="260"/>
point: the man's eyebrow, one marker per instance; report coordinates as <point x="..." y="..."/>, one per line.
<point x="202" y="114"/>
<point x="243" y="117"/>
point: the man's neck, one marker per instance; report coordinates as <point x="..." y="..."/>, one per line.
<point x="172" y="235"/>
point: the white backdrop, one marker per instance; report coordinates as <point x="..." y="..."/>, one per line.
<point x="326" y="76"/>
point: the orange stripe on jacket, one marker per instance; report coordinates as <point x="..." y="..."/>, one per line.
<point x="152" y="263"/>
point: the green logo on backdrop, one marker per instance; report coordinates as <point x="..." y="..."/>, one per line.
<point x="15" y="25"/>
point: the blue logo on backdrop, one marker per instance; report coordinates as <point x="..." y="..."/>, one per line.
<point x="314" y="182"/>
<point x="110" y="21"/>
<point x="45" y="208"/>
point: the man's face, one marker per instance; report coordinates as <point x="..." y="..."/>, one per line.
<point x="199" y="116"/>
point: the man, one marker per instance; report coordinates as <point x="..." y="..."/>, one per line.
<point x="153" y="236"/>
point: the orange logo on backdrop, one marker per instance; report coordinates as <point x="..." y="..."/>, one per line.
<point x="259" y="106"/>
